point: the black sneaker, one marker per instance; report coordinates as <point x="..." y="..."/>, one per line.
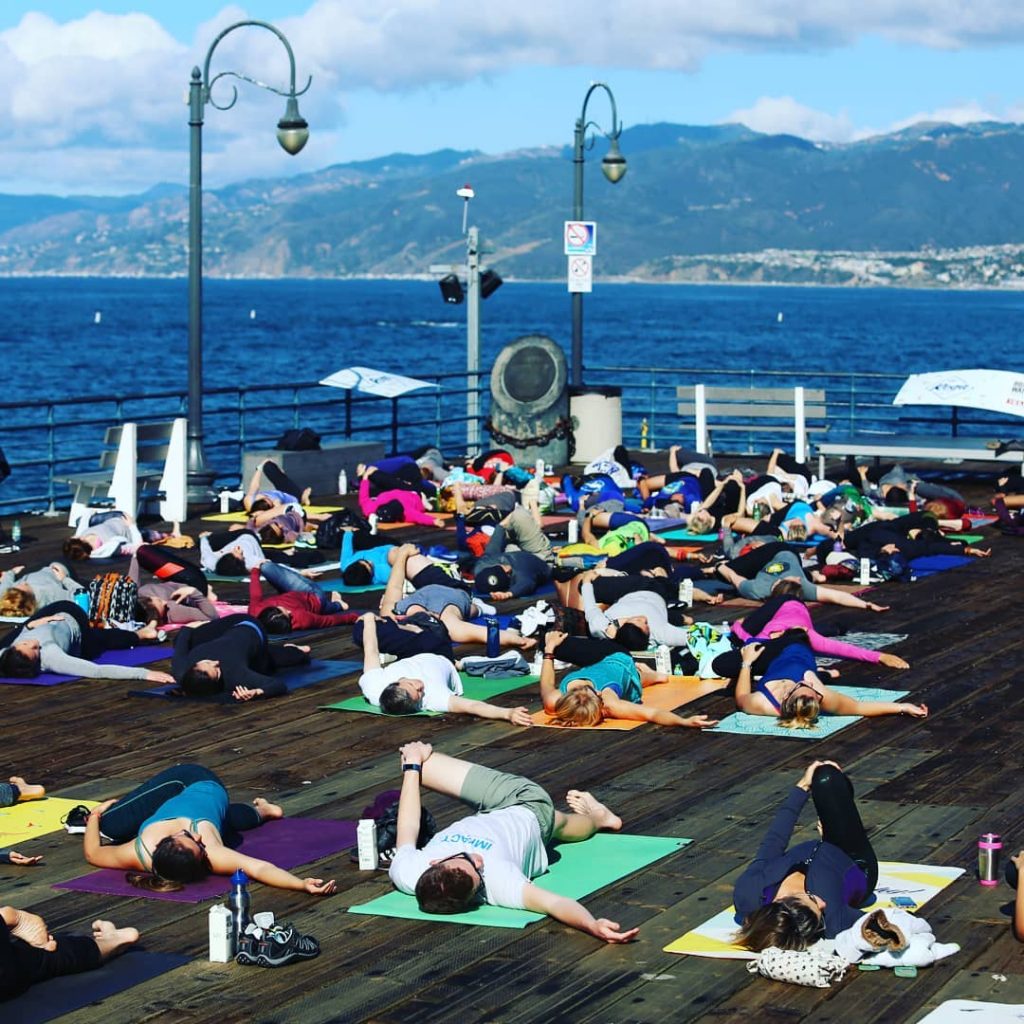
<point x="75" y="820"/>
<point x="279" y="945"/>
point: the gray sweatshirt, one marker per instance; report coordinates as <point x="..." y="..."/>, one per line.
<point x="45" y="585"/>
<point x="60" y="642"/>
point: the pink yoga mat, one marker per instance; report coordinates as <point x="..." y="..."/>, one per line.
<point x="286" y="842"/>
<point x="132" y="658"/>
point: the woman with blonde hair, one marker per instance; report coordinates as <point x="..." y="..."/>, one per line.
<point x="792" y="690"/>
<point x="609" y="688"/>
<point x="21" y="597"/>
<point x="172" y="829"/>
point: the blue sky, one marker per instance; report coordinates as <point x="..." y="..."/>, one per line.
<point x="94" y="90"/>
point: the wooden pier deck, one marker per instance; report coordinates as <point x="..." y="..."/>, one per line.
<point x="926" y="790"/>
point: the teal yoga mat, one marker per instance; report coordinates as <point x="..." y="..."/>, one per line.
<point x="682" y="535"/>
<point x="581" y="869"/>
<point x="764" y="725"/>
<point x="474" y="688"/>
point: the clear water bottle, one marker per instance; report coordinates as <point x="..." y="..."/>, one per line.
<point x="343" y="482"/>
<point x="239" y="903"/>
<point x="757" y="511"/>
<point x="493" y="636"/>
<point x="16" y="534"/>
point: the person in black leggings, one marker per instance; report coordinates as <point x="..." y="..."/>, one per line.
<point x="170" y="567"/>
<point x="285" y="490"/>
<point x="791" y="897"/>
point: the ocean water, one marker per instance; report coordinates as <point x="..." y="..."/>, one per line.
<point x="259" y="332"/>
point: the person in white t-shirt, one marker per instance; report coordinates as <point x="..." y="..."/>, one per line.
<point x="424" y="682"/>
<point x="493" y="855"/>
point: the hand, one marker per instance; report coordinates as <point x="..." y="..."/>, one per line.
<point x="552" y="639"/>
<point x="407" y="551"/>
<point x="914" y="710"/>
<point x="152" y="676"/>
<point x="41" y="622"/>
<point x="750" y="653"/>
<point x="31" y="928"/>
<point x="318" y="887"/>
<point x="892" y="661"/>
<point x="872" y="607"/>
<point x="1018" y="861"/>
<point x="100" y="808"/>
<point x="501" y="595"/>
<point x="338" y="599"/>
<point x="608" y="931"/>
<point x="700" y="722"/>
<point x="20" y="858"/>
<point x="182" y="592"/>
<point x="520" y="716"/>
<point x="805" y="779"/>
<point x="246" y="693"/>
<point x="18" y="569"/>
<point x="416" y="752"/>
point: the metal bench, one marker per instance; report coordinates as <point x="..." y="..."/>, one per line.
<point x="139" y="463"/>
<point x="950" y="450"/>
<point x="757" y="413"/>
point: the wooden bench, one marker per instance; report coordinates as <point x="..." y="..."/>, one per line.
<point x="762" y="413"/>
<point x="913" y="448"/>
<point x="134" y="466"/>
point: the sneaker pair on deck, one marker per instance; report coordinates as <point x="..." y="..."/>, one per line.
<point x="275" y="945"/>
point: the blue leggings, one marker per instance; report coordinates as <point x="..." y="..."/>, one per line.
<point x="286" y="580"/>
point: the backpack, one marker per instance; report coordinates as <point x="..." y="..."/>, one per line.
<point x="299" y="439"/>
<point x="112" y="598"/>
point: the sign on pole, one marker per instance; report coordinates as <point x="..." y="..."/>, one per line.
<point x="581" y="277"/>
<point x="581" y="238"/>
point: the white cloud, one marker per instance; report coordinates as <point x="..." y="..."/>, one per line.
<point x="783" y="115"/>
<point x="963" y="113"/>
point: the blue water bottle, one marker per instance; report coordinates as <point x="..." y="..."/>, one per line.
<point x="238" y="904"/>
<point x="493" y="636"/>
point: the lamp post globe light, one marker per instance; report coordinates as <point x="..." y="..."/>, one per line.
<point x="613" y="165"/>
<point x="292" y="134"/>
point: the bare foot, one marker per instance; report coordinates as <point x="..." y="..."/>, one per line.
<point x="586" y="804"/>
<point x="148" y="631"/>
<point x="267" y="809"/>
<point x="25" y="790"/>
<point x="111" y="939"/>
<point x="305" y="648"/>
<point x="305" y="496"/>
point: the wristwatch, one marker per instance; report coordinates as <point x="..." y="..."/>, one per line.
<point x="412" y="768"/>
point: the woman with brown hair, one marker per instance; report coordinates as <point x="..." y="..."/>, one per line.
<point x="790" y="898"/>
<point x="171" y="830"/>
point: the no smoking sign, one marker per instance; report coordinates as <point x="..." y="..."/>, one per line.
<point x="581" y="277"/>
<point x="580" y="238"/>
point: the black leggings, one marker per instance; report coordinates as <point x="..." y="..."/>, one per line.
<point x="406" y="477"/>
<point x="648" y="554"/>
<point x="280" y="479"/>
<point x="23" y="965"/>
<point x="788" y="464"/>
<point x="170" y="567"/>
<point x="585" y="650"/>
<point x="609" y="589"/>
<point x="841" y="826"/>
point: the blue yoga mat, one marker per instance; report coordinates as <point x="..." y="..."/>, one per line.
<point x="929" y="565"/>
<point x="297" y="678"/>
<point x="132" y="657"/>
<point x="59" y="996"/>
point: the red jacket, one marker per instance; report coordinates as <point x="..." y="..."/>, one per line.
<point x="304" y="607"/>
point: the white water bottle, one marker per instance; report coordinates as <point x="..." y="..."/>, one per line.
<point x="686" y="593"/>
<point x="538" y="472"/>
<point x="572" y="531"/>
<point x="343" y="482"/>
<point x="372" y="520"/>
<point x="663" y="660"/>
<point x="865" y="571"/>
<point x="366" y="844"/>
<point x="222" y="936"/>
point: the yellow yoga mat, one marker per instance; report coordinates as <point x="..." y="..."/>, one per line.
<point x="666" y="696"/>
<point x="919" y="882"/>
<point x="35" y="818"/>
<point x="242" y="517"/>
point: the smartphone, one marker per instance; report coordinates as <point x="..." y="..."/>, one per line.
<point x="904" y="902"/>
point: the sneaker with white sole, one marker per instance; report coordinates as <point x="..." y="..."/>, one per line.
<point x="276" y="946"/>
<point x="76" y="819"/>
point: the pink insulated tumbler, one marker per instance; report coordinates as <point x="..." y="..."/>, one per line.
<point x="989" y="846"/>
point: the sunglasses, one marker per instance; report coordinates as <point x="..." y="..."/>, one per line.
<point x="472" y="863"/>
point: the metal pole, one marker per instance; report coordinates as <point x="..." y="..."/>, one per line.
<point x="473" y="341"/>
<point x="199" y="477"/>
<point x="576" y="376"/>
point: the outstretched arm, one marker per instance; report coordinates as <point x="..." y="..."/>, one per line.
<point x="549" y="692"/>
<point x="466" y="706"/>
<point x="371" y="652"/>
<point x="228" y="861"/>
<point x="743" y="696"/>
<point x="396" y="579"/>
<point x="827" y="595"/>
<point x="839" y="704"/>
<point x="574" y="914"/>
<point x="407" y="828"/>
<point x="121" y="856"/>
<point x="628" y="711"/>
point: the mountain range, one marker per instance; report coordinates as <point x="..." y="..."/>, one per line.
<point x="697" y="203"/>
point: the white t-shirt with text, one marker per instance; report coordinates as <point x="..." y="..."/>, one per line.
<point x="440" y="680"/>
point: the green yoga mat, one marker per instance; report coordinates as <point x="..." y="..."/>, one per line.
<point x="967" y="538"/>
<point x="767" y="725"/>
<point x="581" y="869"/>
<point x="473" y="687"/>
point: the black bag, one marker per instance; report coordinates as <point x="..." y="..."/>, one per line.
<point x="484" y="515"/>
<point x="329" y="531"/>
<point x="112" y="598"/>
<point x="299" y="439"/>
<point x="391" y="512"/>
<point x="387" y="831"/>
<point x="5" y="467"/>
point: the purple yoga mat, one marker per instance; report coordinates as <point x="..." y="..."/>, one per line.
<point x="132" y="657"/>
<point x="286" y="842"/>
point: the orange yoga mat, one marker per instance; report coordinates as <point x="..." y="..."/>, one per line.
<point x="668" y="696"/>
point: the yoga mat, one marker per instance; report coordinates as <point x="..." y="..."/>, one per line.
<point x="297" y="678"/>
<point x="982" y="520"/>
<point x="929" y="565"/>
<point x="681" y="533"/>
<point x="133" y="657"/>
<point x="15" y="620"/>
<point x="344" y="588"/>
<point x="35" y="818"/>
<point x="967" y="538"/>
<point x="767" y="725"/>
<point x="582" y="869"/>
<point x="241" y="516"/>
<point x="58" y="996"/>
<point x="666" y="696"/>
<point x="870" y="641"/>
<point x="972" y="1011"/>
<point x="473" y="687"/>
<point x="286" y="842"/>
<point x="920" y="882"/>
<point x="223" y="609"/>
<point x="663" y="524"/>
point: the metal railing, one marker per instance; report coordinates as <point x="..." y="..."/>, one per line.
<point x="45" y="441"/>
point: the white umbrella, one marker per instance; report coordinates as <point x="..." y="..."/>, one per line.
<point x="374" y="382"/>
<point x="995" y="390"/>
